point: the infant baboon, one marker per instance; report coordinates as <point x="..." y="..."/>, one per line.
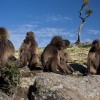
<point x="7" y="49"/>
<point x="29" y="51"/>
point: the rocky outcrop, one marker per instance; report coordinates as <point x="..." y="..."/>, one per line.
<point x="50" y="86"/>
<point x="3" y="96"/>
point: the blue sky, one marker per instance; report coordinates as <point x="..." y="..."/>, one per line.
<point x="47" y="18"/>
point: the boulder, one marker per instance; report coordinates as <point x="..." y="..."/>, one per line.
<point x="51" y="86"/>
<point x="3" y="96"/>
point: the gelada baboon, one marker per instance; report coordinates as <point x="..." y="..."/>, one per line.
<point x="66" y="43"/>
<point x="51" y="57"/>
<point x="67" y="56"/>
<point x="94" y="58"/>
<point x="7" y="49"/>
<point x="29" y="51"/>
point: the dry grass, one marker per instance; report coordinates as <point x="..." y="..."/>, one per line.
<point x="17" y="54"/>
<point x="78" y="54"/>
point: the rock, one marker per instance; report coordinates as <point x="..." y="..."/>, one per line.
<point x="50" y="86"/>
<point x="25" y="82"/>
<point x="3" y="96"/>
<point x="20" y="94"/>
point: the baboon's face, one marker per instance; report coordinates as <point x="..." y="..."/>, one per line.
<point x="57" y="42"/>
<point x="30" y="35"/>
<point x="96" y="44"/>
<point x="60" y="44"/>
<point x="66" y="43"/>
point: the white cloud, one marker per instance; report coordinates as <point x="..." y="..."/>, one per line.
<point x="43" y="34"/>
<point x="50" y="17"/>
<point x="72" y="41"/>
<point x="58" y="18"/>
<point x="87" y="40"/>
<point x="51" y="32"/>
<point x="24" y="28"/>
<point x="91" y="31"/>
<point x="43" y="42"/>
<point x="17" y="39"/>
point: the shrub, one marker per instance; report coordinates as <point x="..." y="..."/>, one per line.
<point x="9" y="77"/>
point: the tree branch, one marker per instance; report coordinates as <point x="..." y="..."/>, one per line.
<point x="81" y="12"/>
<point x="86" y="16"/>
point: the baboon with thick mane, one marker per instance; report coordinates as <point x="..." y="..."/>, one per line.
<point x="94" y="58"/>
<point x="29" y="51"/>
<point x="51" y="57"/>
<point x="7" y="49"/>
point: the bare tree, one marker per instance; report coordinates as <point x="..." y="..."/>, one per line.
<point x="83" y="17"/>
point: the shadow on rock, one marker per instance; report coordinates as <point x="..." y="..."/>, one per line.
<point x="78" y="67"/>
<point x="36" y="68"/>
<point x="32" y="90"/>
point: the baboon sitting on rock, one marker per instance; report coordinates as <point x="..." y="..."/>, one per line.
<point x="52" y="57"/>
<point x="94" y="58"/>
<point x="7" y="49"/>
<point x="29" y="52"/>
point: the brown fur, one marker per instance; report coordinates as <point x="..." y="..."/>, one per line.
<point x="66" y="43"/>
<point x="51" y="57"/>
<point x="29" y="51"/>
<point x="66" y="56"/>
<point x="7" y="49"/>
<point x="94" y="58"/>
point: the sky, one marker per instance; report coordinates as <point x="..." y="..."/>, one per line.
<point x="47" y="18"/>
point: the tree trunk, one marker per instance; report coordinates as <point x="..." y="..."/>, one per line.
<point x="79" y="33"/>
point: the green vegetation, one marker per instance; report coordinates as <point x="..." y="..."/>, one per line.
<point x="9" y="77"/>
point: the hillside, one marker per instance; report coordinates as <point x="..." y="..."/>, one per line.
<point x="78" y="53"/>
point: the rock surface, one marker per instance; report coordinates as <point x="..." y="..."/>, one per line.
<point x="50" y="86"/>
<point x="3" y="96"/>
